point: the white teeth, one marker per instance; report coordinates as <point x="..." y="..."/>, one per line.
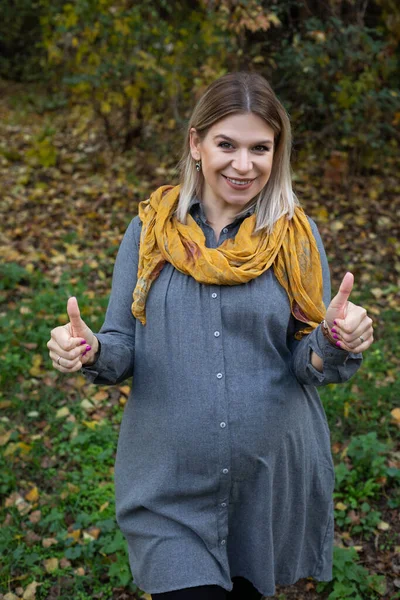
<point x="238" y="182"/>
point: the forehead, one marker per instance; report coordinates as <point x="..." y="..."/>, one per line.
<point x="243" y="126"/>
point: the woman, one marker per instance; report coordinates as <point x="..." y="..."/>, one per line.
<point x="223" y="469"/>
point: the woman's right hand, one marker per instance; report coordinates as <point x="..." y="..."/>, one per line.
<point x="72" y="345"/>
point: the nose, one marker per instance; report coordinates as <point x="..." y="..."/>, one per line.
<point x="242" y="161"/>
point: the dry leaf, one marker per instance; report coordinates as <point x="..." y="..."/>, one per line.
<point x="340" y="506"/>
<point x="395" y="414"/>
<point x="51" y="564"/>
<point x="100" y="396"/>
<point x="5" y="438"/>
<point x="47" y="542"/>
<point x="30" y="592"/>
<point x="62" y="412"/>
<point x="383" y="526"/>
<point x="32" y="495"/>
<point x="35" y="516"/>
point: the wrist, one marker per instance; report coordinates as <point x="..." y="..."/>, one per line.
<point x="328" y="334"/>
<point x="94" y="353"/>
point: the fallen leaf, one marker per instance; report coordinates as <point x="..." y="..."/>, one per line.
<point x="33" y="495"/>
<point x="47" y="542"/>
<point x="62" y="412"/>
<point x="340" y="506"/>
<point x="35" y="516"/>
<point x="5" y="438"/>
<point x="51" y="564"/>
<point x="383" y="526"/>
<point x="100" y="396"/>
<point x="395" y="414"/>
<point x="30" y="592"/>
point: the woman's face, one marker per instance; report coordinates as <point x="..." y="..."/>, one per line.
<point x="236" y="160"/>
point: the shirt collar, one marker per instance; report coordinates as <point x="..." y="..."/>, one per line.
<point x="196" y="210"/>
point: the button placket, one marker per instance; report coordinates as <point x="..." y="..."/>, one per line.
<point x="221" y="415"/>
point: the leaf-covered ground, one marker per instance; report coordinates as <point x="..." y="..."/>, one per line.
<point x="65" y="203"/>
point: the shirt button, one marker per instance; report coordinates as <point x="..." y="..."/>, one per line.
<point x="217" y="333"/>
<point x="225" y="230"/>
<point x="214" y="295"/>
<point x="223" y="504"/>
<point x="225" y="471"/>
<point x="219" y="375"/>
<point x="222" y="424"/>
<point x="223" y="542"/>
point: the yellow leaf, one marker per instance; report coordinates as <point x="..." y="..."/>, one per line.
<point x="346" y="409"/>
<point x="75" y="534"/>
<point x="62" y="412"/>
<point x="30" y="591"/>
<point x="51" y="564"/>
<point x="36" y="364"/>
<point x="321" y="214"/>
<point x="124" y="389"/>
<point x="104" y="506"/>
<point x="91" y="424"/>
<point x="32" y="495"/>
<point x="105" y="107"/>
<point x="383" y="526"/>
<point x="5" y="438"/>
<point x="337" y="226"/>
<point x="5" y="403"/>
<point x="395" y="414"/>
<point x="340" y="506"/>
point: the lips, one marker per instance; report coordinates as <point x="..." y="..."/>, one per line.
<point x="237" y="181"/>
<point x="238" y="184"/>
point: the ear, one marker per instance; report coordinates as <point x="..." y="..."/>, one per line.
<point x="195" y="144"/>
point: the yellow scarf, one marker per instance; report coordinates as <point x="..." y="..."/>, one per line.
<point x="291" y="249"/>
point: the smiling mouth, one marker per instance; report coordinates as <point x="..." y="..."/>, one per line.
<point x="238" y="181"/>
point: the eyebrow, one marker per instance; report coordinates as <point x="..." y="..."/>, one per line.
<point x="228" y="139"/>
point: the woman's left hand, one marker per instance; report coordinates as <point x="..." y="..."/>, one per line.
<point x="349" y="323"/>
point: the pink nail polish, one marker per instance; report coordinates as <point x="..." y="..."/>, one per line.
<point x="83" y="342"/>
<point x="338" y="344"/>
<point x="335" y="322"/>
<point x="83" y="353"/>
<point x="335" y="336"/>
<point x="333" y="330"/>
<point x="88" y="348"/>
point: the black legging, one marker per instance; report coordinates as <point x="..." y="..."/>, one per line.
<point x="242" y="590"/>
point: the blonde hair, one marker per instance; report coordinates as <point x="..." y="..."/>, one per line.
<point x="242" y="93"/>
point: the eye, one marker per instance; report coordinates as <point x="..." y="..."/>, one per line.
<point x="261" y="148"/>
<point x="225" y="145"/>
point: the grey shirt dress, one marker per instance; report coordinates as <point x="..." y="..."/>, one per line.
<point x="223" y="465"/>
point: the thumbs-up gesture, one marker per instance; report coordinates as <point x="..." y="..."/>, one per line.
<point x="74" y="344"/>
<point x="349" y="324"/>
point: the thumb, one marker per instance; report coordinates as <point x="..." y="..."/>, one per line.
<point x="78" y="326"/>
<point x="339" y="302"/>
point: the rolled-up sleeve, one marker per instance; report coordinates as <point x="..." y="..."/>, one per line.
<point x="338" y="365"/>
<point x="117" y="334"/>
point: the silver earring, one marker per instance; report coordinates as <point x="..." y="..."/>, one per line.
<point x="198" y="166"/>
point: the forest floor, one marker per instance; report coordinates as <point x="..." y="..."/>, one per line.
<point x="65" y="202"/>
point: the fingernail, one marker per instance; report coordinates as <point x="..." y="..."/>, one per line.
<point x="335" y="322"/>
<point x="88" y="348"/>
<point x="335" y="336"/>
<point x="333" y="330"/>
<point x="83" y="353"/>
<point x="338" y="344"/>
<point x="83" y="342"/>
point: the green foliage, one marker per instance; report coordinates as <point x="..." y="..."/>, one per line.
<point x="341" y="87"/>
<point x="351" y="580"/>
